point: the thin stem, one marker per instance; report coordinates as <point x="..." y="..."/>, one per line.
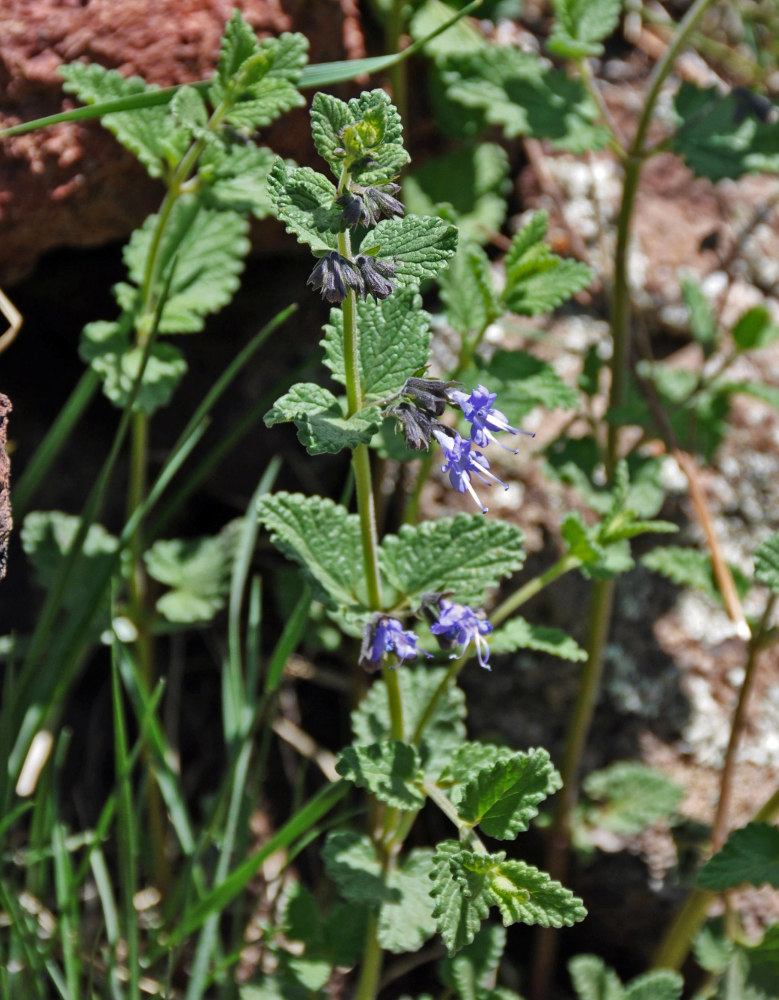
<point x="507" y="608"/>
<point x="370" y="969"/>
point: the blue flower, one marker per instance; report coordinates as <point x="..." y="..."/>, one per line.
<point x="462" y="463"/>
<point x="459" y="625"/>
<point x="387" y="635"/>
<point x="482" y="415"/>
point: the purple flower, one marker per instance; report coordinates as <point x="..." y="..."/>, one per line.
<point x="459" y="625"/>
<point x="375" y="275"/>
<point x="482" y="416"/>
<point x="386" y="635"/>
<point x="382" y="203"/>
<point x="335" y="275"/>
<point x="462" y="463"/>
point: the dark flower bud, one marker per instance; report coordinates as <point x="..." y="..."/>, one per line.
<point x="417" y="425"/>
<point x="335" y="275"/>
<point x="375" y="275"/>
<point x="382" y="203"/>
<point x="429" y="393"/>
<point x="354" y="210"/>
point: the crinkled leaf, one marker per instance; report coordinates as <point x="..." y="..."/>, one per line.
<point x="467" y="290"/>
<point x="304" y="200"/>
<point x="465" y="554"/>
<point x="523" y="382"/>
<point x="630" y="797"/>
<point x="461" y="895"/>
<point x="750" y="855"/>
<point x="660" y="984"/>
<point x="691" y="568"/>
<point x="766" y="558"/>
<point x="537" y="280"/>
<point x="754" y="329"/>
<point x="521" y="634"/>
<point x="512" y="89"/>
<point x="712" y="947"/>
<point x="47" y="536"/>
<point x="394" y="343"/>
<point x="351" y="862"/>
<point x="470" y="757"/>
<point x="189" y="109"/>
<point x="419" y="247"/>
<point x="319" y="418"/>
<point x="444" y="730"/>
<point x="151" y="134"/>
<point x="107" y="349"/>
<point x="389" y="770"/>
<point x="503" y="798"/>
<point x="581" y="25"/>
<point x="198" y="572"/>
<point x="728" y="136"/>
<point x="472" y="971"/>
<point x="237" y="178"/>
<point x="329" y="117"/>
<point x="205" y="249"/>
<point x="406" y="922"/>
<point x="473" y="181"/>
<point x="323" y="539"/>
<point x="523" y="894"/>
<point x="594" y="980"/>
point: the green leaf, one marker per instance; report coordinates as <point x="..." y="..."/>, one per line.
<point x="47" y="536"/>
<point x="468" y="292"/>
<point x="472" y="181"/>
<point x="514" y="90"/>
<point x="721" y="137"/>
<point x="301" y="917"/>
<point x="107" y="349"/>
<point x="418" y="247"/>
<point x="462" y="37"/>
<point x="631" y="797"/>
<point x="389" y="770"/>
<point x="329" y="117"/>
<point x="691" y="568"/>
<point x="151" y="134"/>
<point x="344" y="933"/>
<point x="205" y="249"/>
<point x="763" y="963"/>
<point x="703" y="322"/>
<point x="523" y="382"/>
<point x="537" y="280"/>
<point x="319" y="418"/>
<point x="406" y="921"/>
<point x="460" y="891"/>
<point x="466" y="555"/>
<point x="581" y="26"/>
<point x="599" y="562"/>
<point x="503" y="798"/>
<point x="444" y="730"/>
<point x="198" y="572"/>
<point x="304" y="200"/>
<point x="712" y="947"/>
<point x="351" y="862"/>
<point x="766" y="558"/>
<point x="521" y="634"/>
<point x="523" y="894"/>
<point x="660" y="984"/>
<point x="470" y="757"/>
<point x="754" y="329"/>
<point x="237" y="178"/>
<point x="593" y="980"/>
<point x="324" y="540"/>
<point x="750" y="855"/>
<point x="472" y="971"/>
<point x="394" y="343"/>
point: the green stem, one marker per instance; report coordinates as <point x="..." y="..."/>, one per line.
<point x="507" y="608"/>
<point x="370" y="969"/>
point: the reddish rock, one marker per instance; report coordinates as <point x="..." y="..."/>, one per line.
<point x="73" y="185"/>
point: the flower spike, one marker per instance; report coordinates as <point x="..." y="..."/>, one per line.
<point x="483" y="417"/>
<point x="462" y="463"/>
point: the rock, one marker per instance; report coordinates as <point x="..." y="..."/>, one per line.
<point x="72" y="184"/>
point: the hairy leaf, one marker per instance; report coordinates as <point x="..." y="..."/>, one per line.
<point x="468" y="292"/>
<point x="465" y="555"/>
<point x="523" y="894"/>
<point x="419" y="247"/>
<point x="631" y="797"/>
<point x="394" y="343"/>
<point x="444" y="730"/>
<point x="351" y="863"/>
<point x="389" y="770"/>
<point x="721" y="137"/>
<point x="304" y="200"/>
<point x="323" y="539"/>
<point x="660" y="984"/>
<point x="237" y="178"/>
<point x="691" y="568"/>
<point x="581" y="26"/>
<point x="107" y="349"/>
<point x="319" y="418"/>
<point x="151" y="134"/>
<point x="750" y="855"/>
<point x="198" y="572"/>
<point x="593" y="980"/>
<point x="502" y="798"/>
<point x="406" y="920"/>
<point x="521" y="634"/>
<point x="472" y="971"/>
<point x="461" y="895"/>
<point x="472" y="182"/>
<point x="766" y="558"/>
